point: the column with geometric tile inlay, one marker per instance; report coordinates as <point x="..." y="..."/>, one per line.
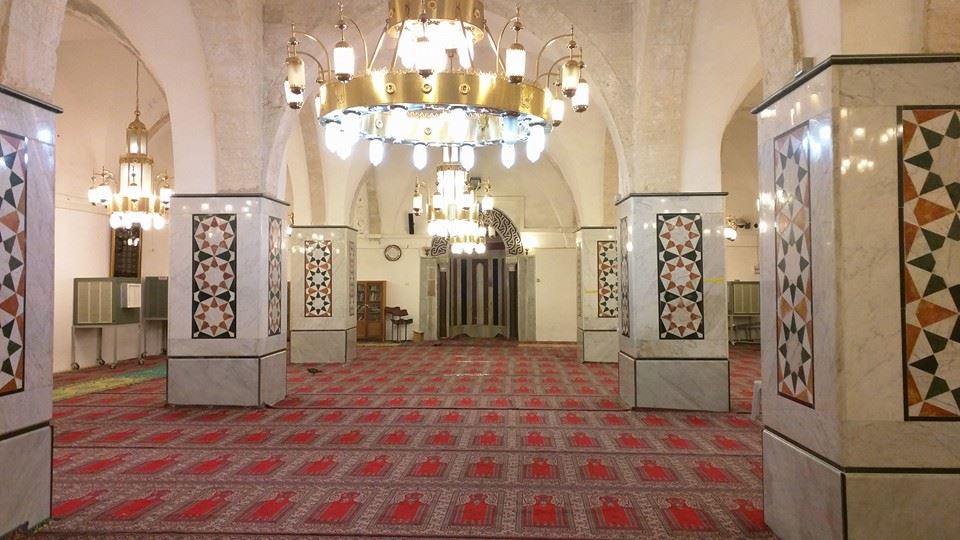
<point x="860" y="294"/>
<point x="227" y="300"/>
<point x="27" y="145"/>
<point x="323" y="294"/>
<point x="599" y="297"/>
<point x="673" y="309"/>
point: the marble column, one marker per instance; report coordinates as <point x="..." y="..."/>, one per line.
<point x="227" y="339"/>
<point x="323" y="294"/>
<point x="27" y="138"/>
<point x="860" y="290"/>
<point x="598" y="297"/>
<point x="673" y="301"/>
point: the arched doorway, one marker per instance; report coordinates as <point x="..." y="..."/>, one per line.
<point x="480" y="295"/>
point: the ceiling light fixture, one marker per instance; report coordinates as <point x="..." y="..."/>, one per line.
<point x="430" y="92"/>
<point x="139" y="199"/>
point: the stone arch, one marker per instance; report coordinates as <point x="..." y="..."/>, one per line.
<point x="781" y="45"/>
<point x="501" y="223"/>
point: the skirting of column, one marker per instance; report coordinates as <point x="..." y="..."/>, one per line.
<point x="675" y="383"/>
<point x="241" y="381"/>
<point x="323" y="346"/>
<point x="26" y="478"/>
<point x="807" y="496"/>
<point x="598" y="346"/>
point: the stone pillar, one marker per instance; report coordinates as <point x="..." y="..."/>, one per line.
<point x="27" y="135"/>
<point x="323" y="295"/>
<point x="227" y="340"/>
<point x="598" y="294"/>
<point x="860" y="289"/>
<point x="673" y="301"/>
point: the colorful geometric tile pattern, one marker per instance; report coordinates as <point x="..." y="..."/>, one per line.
<point x="214" y="276"/>
<point x="13" y="239"/>
<point x="607" y="296"/>
<point x="794" y="266"/>
<point x="624" y="278"/>
<point x="352" y="285"/>
<point x="274" y="279"/>
<point x="930" y="250"/>
<point x="318" y="278"/>
<point x="680" y="270"/>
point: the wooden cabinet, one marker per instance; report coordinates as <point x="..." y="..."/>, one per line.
<point x="371" y="300"/>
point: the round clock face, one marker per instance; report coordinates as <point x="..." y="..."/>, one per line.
<point x="392" y="252"/>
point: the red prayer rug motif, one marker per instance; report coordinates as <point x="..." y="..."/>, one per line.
<point x="145" y="471"/>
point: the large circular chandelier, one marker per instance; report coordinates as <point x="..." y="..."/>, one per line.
<point x="429" y="92"/>
<point x="456" y="212"/>
<point x="138" y="199"/>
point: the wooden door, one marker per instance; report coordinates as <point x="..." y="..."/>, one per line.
<point x="374" y="311"/>
<point x="361" y="310"/>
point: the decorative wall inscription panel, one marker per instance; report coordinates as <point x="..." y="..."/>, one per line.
<point x="930" y="250"/>
<point x="214" y="276"/>
<point x="318" y="278"/>
<point x="607" y="295"/>
<point x="794" y="266"/>
<point x="352" y="263"/>
<point x="624" y="279"/>
<point x="680" y="271"/>
<point x="13" y="258"/>
<point x="274" y="279"/>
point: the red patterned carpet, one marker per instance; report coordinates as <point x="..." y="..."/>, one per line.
<point x="468" y="440"/>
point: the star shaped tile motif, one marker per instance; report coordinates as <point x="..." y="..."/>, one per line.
<point x="680" y="267"/>
<point x="607" y="285"/>
<point x="318" y="278"/>
<point x="214" y="276"/>
<point x="930" y="264"/>
<point x="794" y="266"/>
<point x="274" y="278"/>
<point x="13" y="252"/>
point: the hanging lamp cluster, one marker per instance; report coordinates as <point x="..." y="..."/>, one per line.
<point x="456" y="211"/>
<point x="137" y="199"/>
<point x="430" y="92"/>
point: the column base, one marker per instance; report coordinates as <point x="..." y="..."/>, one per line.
<point x="675" y="383"/>
<point x="807" y="497"/>
<point x="598" y="346"/>
<point x="244" y="381"/>
<point x="323" y="346"/>
<point x="26" y="479"/>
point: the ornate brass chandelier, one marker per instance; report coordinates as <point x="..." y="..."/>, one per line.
<point x="138" y="199"/>
<point x="455" y="211"/>
<point x="429" y="92"/>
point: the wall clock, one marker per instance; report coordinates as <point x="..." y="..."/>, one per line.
<point x="392" y="252"/>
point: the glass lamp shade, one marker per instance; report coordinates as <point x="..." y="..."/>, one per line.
<point x="165" y="194"/>
<point x="136" y="176"/>
<point x="296" y="74"/>
<point x="417" y="203"/>
<point x="511" y="129"/>
<point x="397" y="123"/>
<point x="581" y="99"/>
<point x="424" y="57"/>
<point x="116" y="220"/>
<point x="730" y="233"/>
<point x="350" y="124"/>
<point x="420" y="156"/>
<point x="344" y="146"/>
<point x="159" y="221"/>
<point x="318" y="100"/>
<point x="557" y="109"/>
<point x="343" y="61"/>
<point x="570" y="77"/>
<point x="480" y="248"/>
<point x="137" y="136"/>
<point x="92" y="195"/>
<point x="467" y="157"/>
<point x="376" y="151"/>
<point x="294" y="100"/>
<point x="104" y="194"/>
<point x="516" y="64"/>
<point x="536" y="142"/>
<point x="508" y="155"/>
<point x="331" y="135"/>
<point x="486" y="203"/>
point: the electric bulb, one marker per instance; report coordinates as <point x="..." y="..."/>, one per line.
<point x="508" y="155"/>
<point x="376" y="151"/>
<point x="420" y="156"/>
